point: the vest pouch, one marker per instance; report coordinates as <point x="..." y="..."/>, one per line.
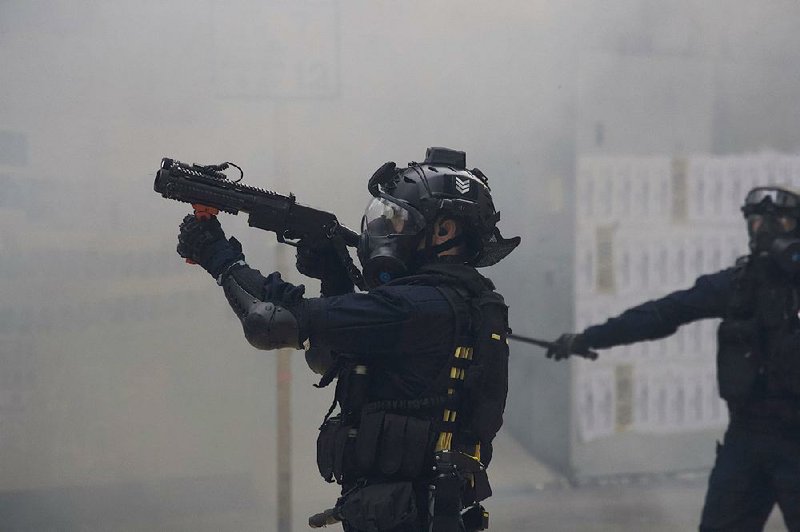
<point x="369" y="432"/>
<point x="392" y="445"/>
<point x="380" y="507"/>
<point x="784" y="377"/>
<point x="416" y="447"/>
<point x="326" y="447"/>
<point x="390" y="453"/>
<point x="405" y="443"/>
<point x="737" y="361"/>
<point x="344" y="454"/>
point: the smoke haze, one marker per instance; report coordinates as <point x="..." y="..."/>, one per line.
<point x="129" y="399"/>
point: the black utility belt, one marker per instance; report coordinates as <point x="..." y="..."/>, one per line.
<point x="406" y="406"/>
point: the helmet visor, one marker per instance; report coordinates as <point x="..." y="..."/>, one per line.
<point x="776" y="196"/>
<point x="385" y="218"/>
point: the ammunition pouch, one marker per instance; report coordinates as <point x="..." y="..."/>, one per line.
<point x="784" y="377"/>
<point x="393" y="445"/>
<point x="384" y="445"/>
<point x="335" y="455"/>
<point x="737" y="360"/>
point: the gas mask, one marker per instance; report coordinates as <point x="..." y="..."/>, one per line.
<point x="390" y="236"/>
<point x="772" y="225"/>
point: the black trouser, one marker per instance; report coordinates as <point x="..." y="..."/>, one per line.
<point x="753" y="471"/>
<point x="422" y="523"/>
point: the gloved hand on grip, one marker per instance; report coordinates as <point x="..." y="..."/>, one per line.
<point x="320" y="261"/>
<point x="203" y="241"/>
<point x="568" y="344"/>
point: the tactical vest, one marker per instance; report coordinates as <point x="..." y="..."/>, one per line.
<point x="758" y="354"/>
<point x="443" y="439"/>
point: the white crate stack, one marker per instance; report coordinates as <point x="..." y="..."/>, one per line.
<point x="647" y="226"/>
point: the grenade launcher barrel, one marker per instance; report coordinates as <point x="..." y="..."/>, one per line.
<point x="209" y="190"/>
<point x="208" y="186"/>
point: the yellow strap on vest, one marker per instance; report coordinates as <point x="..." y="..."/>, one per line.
<point x="445" y="440"/>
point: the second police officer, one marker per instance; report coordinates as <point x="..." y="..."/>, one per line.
<point x="758" y="363"/>
<point x="420" y="360"/>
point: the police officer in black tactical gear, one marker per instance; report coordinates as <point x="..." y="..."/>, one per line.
<point x="758" y="363"/>
<point x="420" y="360"/>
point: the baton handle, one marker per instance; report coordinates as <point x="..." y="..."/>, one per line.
<point x="591" y="355"/>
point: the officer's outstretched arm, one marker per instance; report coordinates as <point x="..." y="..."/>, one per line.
<point x="651" y="320"/>
<point x="659" y="318"/>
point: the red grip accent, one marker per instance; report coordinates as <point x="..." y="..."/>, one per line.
<point x="203" y="212"/>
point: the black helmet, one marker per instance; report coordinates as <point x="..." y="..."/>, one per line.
<point x="773" y="225"/>
<point x="771" y="212"/>
<point x="407" y="201"/>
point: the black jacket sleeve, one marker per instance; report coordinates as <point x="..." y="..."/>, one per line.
<point x="708" y="298"/>
<point x="389" y="320"/>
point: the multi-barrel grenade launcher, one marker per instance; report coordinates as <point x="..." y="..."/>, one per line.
<point x="209" y="191"/>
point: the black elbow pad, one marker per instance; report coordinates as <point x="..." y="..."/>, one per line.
<point x="266" y="325"/>
<point x="270" y="326"/>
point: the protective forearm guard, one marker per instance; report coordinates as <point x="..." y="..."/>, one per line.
<point x="266" y="325"/>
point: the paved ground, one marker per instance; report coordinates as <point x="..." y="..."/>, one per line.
<point x="530" y="497"/>
<point x="653" y="508"/>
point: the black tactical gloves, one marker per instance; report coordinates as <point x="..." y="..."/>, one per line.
<point x="320" y="261"/>
<point x="203" y="241"/>
<point x="566" y="345"/>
